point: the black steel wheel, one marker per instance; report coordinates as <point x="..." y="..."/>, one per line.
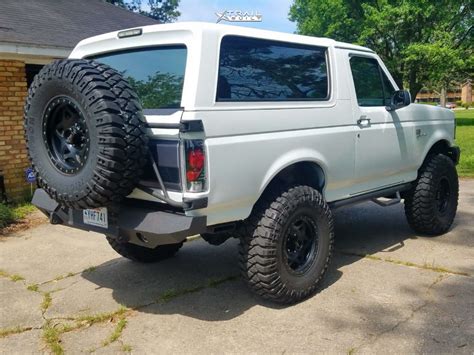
<point x="66" y="135"/>
<point x="443" y="195"/>
<point x="431" y="205"/>
<point x="300" y="244"/>
<point x="286" y="244"/>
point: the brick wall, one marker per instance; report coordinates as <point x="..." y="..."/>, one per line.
<point x="13" y="159"/>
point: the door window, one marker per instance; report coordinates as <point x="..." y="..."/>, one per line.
<point x="371" y="84"/>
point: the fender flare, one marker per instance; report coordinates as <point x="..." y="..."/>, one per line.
<point x="290" y="158"/>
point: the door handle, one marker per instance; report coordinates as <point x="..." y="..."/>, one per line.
<point x="363" y="121"/>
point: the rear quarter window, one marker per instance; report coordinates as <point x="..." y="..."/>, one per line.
<point x="156" y="73"/>
<point x="261" y="70"/>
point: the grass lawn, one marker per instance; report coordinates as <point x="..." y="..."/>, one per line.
<point x="465" y="140"/>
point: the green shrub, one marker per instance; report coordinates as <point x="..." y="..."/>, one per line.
<point x="23" y="210"/>
<point x="466" y="105"/>
<point x="10" y="214"/>
<point x="459" y="103"/>
<point x="432" y="103"/>
<point x="6" y="215"/>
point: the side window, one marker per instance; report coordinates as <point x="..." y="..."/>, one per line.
<point x="367" y="81"/>
<point x="261" y="70"/>
<point x="371" y="84"/>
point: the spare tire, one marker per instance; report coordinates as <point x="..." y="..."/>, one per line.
<point x="85" y="133"/>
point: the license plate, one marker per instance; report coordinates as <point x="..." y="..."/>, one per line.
<point x="96" y="217"/>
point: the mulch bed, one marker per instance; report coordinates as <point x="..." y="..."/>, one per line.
<point x="32" y="220"/>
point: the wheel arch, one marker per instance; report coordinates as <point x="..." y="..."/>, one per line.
<point x="307" y="171"/>
<point x="443" y="146"/>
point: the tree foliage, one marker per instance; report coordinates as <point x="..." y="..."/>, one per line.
<point x="160" y="10"/>
<point x="420" y="41"/>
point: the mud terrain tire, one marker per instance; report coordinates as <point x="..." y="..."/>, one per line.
<point x="430" y="206"/>
<point x="288" y="243"/>
<point x="85" y="133"/>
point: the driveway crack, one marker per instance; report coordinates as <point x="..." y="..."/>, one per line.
<point x="414" y="311"/>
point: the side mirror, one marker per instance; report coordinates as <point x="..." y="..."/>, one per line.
<point x="399" y="99"/>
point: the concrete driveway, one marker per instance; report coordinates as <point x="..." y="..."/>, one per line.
<point x="388" y="290"/>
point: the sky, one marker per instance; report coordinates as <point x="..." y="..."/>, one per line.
<point x="274" y="12"/>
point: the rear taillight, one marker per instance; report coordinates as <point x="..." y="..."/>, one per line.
<point x="195" y="165"/>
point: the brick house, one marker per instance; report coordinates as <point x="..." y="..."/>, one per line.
<point x="33" y="33"/>
<point x="462" y="92"/>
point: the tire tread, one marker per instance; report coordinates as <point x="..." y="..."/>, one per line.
<point x="258" y="250"/>
<point x="419" y="201"/>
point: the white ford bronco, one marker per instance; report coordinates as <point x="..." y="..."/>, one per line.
<point x="150" y="135"/>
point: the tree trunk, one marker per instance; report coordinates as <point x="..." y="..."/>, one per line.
<point x="414" y="90"/>
<point x="414" y="87"/>
<point x="442" y="97"/>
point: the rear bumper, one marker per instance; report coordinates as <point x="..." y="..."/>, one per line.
<point x="137" y="223"/>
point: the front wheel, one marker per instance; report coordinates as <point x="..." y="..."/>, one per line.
<point x="287" y="246"/>
<point x="430" y="206"/>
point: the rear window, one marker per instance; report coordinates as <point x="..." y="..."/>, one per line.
<point x="156" y="74"/>
<point x="261" y="70"/>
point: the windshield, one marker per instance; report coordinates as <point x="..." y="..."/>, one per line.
<point x="156" y="74"/>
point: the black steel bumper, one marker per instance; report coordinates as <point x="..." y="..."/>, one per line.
<point x="137" y="223"/>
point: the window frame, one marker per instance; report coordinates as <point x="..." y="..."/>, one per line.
<point x="381" y="73"/>
<point x="327" y="98"/>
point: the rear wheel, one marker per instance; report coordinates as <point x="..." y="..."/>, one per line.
<point x="287" y="246"/>
<point x="216" y="238"/>
<point x="142" y="254"/>
<point x="430" y="206"/>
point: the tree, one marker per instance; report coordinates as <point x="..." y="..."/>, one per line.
<point x="420" y="41"/>
<point x="160" y="10"/>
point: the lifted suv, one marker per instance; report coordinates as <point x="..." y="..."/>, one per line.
<point x="153" y="134"/>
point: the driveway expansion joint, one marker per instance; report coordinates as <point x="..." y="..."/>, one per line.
<point x="52" y="331"/>
<point x="438" y="269"/>
<point x="5" y="332"/>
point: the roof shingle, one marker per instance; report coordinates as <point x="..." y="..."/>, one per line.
<point x="62" y="23"/>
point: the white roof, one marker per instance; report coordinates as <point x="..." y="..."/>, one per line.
<point x="221" y="30"/>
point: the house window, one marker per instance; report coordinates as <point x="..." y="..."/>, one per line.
<point x="31" y="70"/>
